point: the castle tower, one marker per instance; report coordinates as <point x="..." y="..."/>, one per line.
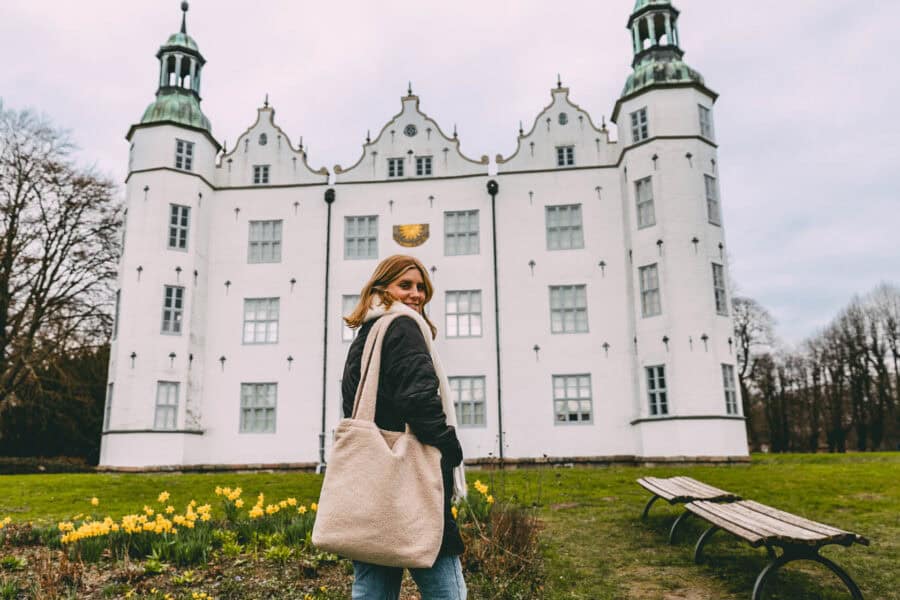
<point x="687" y="399"/>
<point x="152" y="411"/>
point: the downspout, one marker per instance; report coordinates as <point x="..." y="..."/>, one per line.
<point x="492" y="189"/>
<point x="329" y="200"/>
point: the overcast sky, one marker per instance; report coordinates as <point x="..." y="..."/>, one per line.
<point x="807" y="120"/>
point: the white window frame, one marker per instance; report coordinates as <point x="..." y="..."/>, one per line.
<point x="571" y="394"/>
<point x="565" y="156"/>
<point x="107" y="407"/>
<point x="564" y="225"/>
<point x="657" y="391"/>
<point x="568" y="309"/>
<point x="173" y="310"/>
<point x="179" y="226"/>
<point x="468" y="393"/>
<point x="261" y="174"/>
<point x="395" y="167"/>
<point x="640" y="125"/>
<point x="264" y="241"/>
<point x="461" y="232"/>
<point x="184" y="155"/>
<point x="720" y="291"/>
<point x="262" y="327"/>
<point x="643" y="202"/>
<point x="651" y="301"/>
<point x="359" y="230"/>
<point x="423" y="166"/>
<point x="258" y="400"/>
<point x="348" y="303"/>
<point x="706" y="124"/>
<point x="115" y="331"/>
<point x="165" y="416"/>
<point x="463" y="314"/>
<point x="730" y="388"/>
<point x="713" y="208"/>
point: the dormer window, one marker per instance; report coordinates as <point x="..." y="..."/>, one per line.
<point x="184" y="155"/>
<point x="395" y="167"/>
<point x="565" y="156"/>
<point x="639" y="130"/>
<point x="423" y="166"/>
<point x="260" y="174"/>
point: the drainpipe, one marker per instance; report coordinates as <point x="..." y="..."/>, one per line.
<point x="329" y="200"/>
<point x="492" y="189"/>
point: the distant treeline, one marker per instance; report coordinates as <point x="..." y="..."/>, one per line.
<point x="838" y="390"/>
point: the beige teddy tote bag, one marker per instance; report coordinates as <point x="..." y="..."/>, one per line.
<point x="382" y="499"/>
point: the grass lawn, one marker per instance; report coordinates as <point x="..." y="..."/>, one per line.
<point x="595" y="545"/>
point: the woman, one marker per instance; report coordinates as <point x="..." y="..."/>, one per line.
<point x="412" y="389"/>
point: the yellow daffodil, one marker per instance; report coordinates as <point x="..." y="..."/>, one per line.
<point x="239" y="503"/>
<point x="95" y="501"/>
<point x="170" y="509"/>
<point x="490" y="499"/>
<point x="291" y="501"/>
<point x="314" y="507"/>
<point x="454" y="511"/>
<point x="301" y="509"/>
<point x="163" y="496"/>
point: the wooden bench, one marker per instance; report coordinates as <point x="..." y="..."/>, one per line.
<point x="681" y="490"/>
<point x="761" y="525"/>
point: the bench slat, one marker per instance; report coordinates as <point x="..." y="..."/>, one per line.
<point x="799" y="521"/>
<point x="703" y="490"/>
<point x="772" y="527"/>
<point x="683" y="489"/>
<point x="701" y="510"/>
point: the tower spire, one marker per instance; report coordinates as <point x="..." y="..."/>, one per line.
<point x="184" y="8"/>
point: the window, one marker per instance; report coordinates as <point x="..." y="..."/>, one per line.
<point x="179" y="224"/>
<point x="348" y="303"/>
<point x="565" y="156"/>
<point x="706" y="127"/>
<point x="731" y="406"/>
<point x="166" y="405"/>
<point x="395" y="167"/>
<point x="423" y="165"/>
<point x="361" y="237"/>
<point x="108" y="408"/>
<point x="564" y="229"/>
<point x="461" y="232"/>
<point x="115" y="331"/>
<point x="260" y="174"/>
<point x="639" y="129"/>
<point x="261" y="320"/>
<point x="468" y="399"/>
<point x="263" y="139"/>
<point x="464" y="313"/>
<point x="712" y="200"/>
<point x="572" y="401"/>
<point x="721" y="296"/>
<point x="643" y="193"/>
<point x="258" y="402"/>
<point x="173" y="309"/>
<point x="568" y="309"/>
<point x="184" y="155"/>
<point x="656" y="390"/>
<point x="650" y="305"/>
<point x="265" y="242"/>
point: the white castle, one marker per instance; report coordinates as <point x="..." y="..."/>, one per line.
<point x="581" y="293"/>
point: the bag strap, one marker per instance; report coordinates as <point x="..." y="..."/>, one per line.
<point x="370" y="367"/>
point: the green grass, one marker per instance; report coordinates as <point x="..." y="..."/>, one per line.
<point x="595" y="545"/>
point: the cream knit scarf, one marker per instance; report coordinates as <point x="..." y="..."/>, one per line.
<point x="376" y="310"/>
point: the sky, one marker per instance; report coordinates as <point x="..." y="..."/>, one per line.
<point x="806" y="121"/>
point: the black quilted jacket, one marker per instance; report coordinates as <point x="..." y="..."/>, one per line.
<point x="408" y="393"/>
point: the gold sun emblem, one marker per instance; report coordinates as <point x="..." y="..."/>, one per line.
<point x="412" y="235"/>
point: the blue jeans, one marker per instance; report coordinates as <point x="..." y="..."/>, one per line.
<point x="443" y="581"/>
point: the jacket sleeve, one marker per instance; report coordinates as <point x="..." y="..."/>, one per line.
<point x="406" y="364"/>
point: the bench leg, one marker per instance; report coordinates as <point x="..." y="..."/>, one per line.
<point x="647" y="508"/>
<point x="680" y="518"/>
<point x="698" y="549"/>
<point x="790" y="556"/>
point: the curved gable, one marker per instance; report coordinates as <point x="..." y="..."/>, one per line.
<point x="561" y="124"/>
<point x="408" y="136"/>
<point x="266" y="144"/>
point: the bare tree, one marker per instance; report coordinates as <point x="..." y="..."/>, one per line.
<point x="754" y="330"/>
<point x="59" y="230"/>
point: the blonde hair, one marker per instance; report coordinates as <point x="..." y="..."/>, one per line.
<point x="387" y="271"/>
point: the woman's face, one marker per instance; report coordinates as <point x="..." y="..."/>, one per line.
<point x="409" y="289"/>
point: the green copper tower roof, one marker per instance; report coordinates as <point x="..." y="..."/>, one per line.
<point x="639" y="4"/>
<point x="178" y="95"/>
